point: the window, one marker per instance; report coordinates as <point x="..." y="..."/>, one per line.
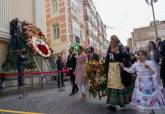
<point x="56" y="31"/>
<point x="77" y="6"/>
<point x="76" y="28"/>
<point x="55" y="6"/>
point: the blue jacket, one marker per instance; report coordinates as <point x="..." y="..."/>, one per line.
<point x="21" y="60"/>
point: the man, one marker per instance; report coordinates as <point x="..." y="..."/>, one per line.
<point x="71" y="65"/>
<point x="21" y="61"/>
<point x="60" y="66"/>
<point x="161" y="47"/>
<point x="93" y="55"/>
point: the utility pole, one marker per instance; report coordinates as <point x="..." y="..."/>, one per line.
<point x="151" y="2"/>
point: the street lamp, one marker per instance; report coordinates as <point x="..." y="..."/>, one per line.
<point x="151" y="2"/>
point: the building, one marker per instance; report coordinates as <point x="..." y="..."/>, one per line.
<point x="72" y="23"/>
<point x="101" y="36"/>
<point x="64" y="21"/>
<point x="95" y="30"/>
<point x="141" y="36"/>
<point x="29" y="10"/>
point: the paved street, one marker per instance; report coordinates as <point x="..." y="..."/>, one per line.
<point x="51" y="101"/>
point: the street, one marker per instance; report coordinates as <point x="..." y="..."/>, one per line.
<point x="53" y="101"/>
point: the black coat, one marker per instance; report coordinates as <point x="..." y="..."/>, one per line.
<point x="21" y="60"/>
<point x="120" y="56"/>
<point x="71" y="62"/>
<point x="161" y="48"/>
<point x="60" y="64"/>
<point x="94" y="57"/>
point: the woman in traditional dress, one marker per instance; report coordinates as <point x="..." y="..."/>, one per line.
<point x="80" y="72"/>
<point x="118" y="81"/>
<point x="147" y="94"/>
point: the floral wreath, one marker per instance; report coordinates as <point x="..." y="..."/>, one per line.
<point x="36" y="40"/>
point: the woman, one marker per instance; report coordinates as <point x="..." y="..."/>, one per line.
<point x="154" y="56"/>
<point x="118" y="81"/>
<point x="147" y="94"/>
<point x="80" y="72"/>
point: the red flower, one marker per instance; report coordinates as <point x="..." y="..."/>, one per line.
<point x="42" y="48"/>
<point x="97" y="63"/>
<point x="94" y="69"/>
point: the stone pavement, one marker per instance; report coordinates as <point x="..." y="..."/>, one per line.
<point x="51" y="101"/>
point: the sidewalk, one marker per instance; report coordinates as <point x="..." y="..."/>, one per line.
<point x="52" y="101"/>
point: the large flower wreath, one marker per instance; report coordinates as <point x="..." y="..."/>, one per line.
<point x="96" y="78"/>
<point x="36" y="40"/>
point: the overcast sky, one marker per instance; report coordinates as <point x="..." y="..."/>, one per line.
<point x="124" y="15"/>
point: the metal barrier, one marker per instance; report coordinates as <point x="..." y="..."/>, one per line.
<point x="33" y="74"/>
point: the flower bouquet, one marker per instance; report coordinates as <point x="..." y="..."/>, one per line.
<point x="96" y="78"/>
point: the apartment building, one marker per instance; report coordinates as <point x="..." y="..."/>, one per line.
<point x="64" y="21"/>
<point x="141" y="36"/>
<point x="94" y="27"/>
<point x="74" y="22"/>
<point x="101" y="36"/>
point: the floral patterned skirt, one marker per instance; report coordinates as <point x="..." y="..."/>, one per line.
<point x="119" y="97"/>
<point x="148" y="94"/>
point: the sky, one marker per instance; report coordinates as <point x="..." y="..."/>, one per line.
<point x="122" y="16"/>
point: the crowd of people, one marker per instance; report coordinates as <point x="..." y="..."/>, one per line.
<point x="132" y="78"/>
<point x="145" y="67"/>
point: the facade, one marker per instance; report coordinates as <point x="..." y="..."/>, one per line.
<point x="95" y="30"/>
<point x="74" y="22"/>
<point x="29" y="10"/>
<point x="141" y="36"/>
<point x="64" y="21"/>
<point x="101" y="40"/>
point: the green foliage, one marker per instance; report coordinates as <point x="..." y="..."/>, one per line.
<point x="10" y="63"/>
<point x="11" y="58"/>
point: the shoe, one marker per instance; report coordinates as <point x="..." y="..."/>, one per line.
<point x="21" y="97"/>
<point x="152" y="112"/>
<point x="111" y="108"/>
<point x="77" y="91"/>
<point x="71" y="94"/>
<point x="83" y="98"/>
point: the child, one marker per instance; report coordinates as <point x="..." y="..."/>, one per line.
<point x="147" y="94"/>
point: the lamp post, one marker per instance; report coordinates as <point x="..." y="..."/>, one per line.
<point x="151" y="2"/>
